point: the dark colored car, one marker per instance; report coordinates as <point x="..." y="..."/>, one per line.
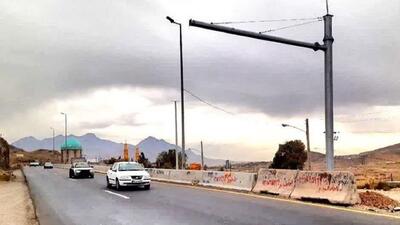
<point x="81" y="169"/>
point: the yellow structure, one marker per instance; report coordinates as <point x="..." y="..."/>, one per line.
<point x="137" y="154"/>
<point x="126" y="152"/>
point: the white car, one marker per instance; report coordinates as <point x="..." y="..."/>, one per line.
<point x="34" y="164"/>
<point x="124" y="174"/>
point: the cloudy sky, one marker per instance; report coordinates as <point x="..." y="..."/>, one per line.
<point x="113" y="66"/>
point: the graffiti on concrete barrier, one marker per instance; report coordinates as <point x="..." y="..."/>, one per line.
<point x="280" y="183"/>
<point x="161" y="172"/>
<point x="226" y="178"/>
<point x="325" y="182"/>
<point x="273" y="179"/>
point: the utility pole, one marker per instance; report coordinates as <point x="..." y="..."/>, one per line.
<point x="308" y="145"/>
<point x="176" y="138"/>
<point x="202" y="156"/>
<point x="182" y="91"/>
<point x="328" y="41"/>
<point x="326" y="47"/>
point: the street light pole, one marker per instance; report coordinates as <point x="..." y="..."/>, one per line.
<point x="182" y="91"/>
<point x="307" y="132"/>
<point x="65" y="126"/>
<point x="176" y="138"/>
<point x="53" y="137"/>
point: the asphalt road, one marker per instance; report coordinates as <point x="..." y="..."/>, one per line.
<point x="60" y="200"/>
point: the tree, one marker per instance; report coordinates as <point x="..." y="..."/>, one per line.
<point x="166" y="159"/>
<point x="290" y="155"/>
<point x="143" y="160"/>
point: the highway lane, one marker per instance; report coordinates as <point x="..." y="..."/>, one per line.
<point x="60" y="200"/>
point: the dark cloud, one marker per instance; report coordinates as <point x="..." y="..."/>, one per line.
<point x="127" y="120"/>
<point x="49" y="55"/>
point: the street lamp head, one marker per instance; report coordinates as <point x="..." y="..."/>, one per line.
<point x="284" y="125"/>
<point x="170" y="19"/>
<point x="62" y="113"/>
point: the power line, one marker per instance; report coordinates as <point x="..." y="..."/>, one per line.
<point x="291" y="26"/>
<point x="266" y="21"/>
<point x="207" y="103"/>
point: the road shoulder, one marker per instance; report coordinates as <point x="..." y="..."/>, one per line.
<point x="16" y="204"/>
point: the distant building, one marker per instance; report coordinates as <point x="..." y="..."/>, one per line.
<point x="126" y="152"/>
<point x="73" y="150"/>
<point x="137" y="154"/>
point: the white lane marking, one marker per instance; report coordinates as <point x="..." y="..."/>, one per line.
<point x="72" y="179"/>
<point x="119" y="195"/>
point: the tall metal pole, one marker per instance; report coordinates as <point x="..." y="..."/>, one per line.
<point x="66" y="131"/>
<point x="53" y="140"/>
<point x="202" y="156"/>
<point x="326" y="47"/>
<point x="182" y="99"/>
<point x="307" y="132"/>
<point x="176" y="138"/>
<point x="328" y="41"/>
<point x="65" y="127"/>
<point x="182" y="91"/>
<point x="308" y="145"/>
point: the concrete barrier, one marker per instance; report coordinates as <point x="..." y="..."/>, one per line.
<point x="186" y="176"/>
<point x="335" y="187"/>
<point x="101" y="168"/>
<point x="161" y="174"/>
<point x="277" y="182"/>
<point x="62" y="166"/>
<point x="230" y="180"/>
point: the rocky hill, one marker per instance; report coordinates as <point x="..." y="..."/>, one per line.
<point x="94" y="146"/>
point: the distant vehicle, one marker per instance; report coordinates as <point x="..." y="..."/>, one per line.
<point x="81" y="169"/>
<point x="124" y="174"/>
<point x="48" y="165"/>
<point x="34" y="164"/>
<point x="195" y="166"/>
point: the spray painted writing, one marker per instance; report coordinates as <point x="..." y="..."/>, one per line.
<point x="325" y="181"/>
<point x="227" y="178"/>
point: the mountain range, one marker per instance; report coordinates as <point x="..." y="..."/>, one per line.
<point x="94" y="146"/>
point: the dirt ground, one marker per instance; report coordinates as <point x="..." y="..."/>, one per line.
<point x="393" y="194"/>
<point x="16" y="206"/>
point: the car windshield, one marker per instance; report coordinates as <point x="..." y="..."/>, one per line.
<point x="130" y="167"/>
<point x="81" y="165"/>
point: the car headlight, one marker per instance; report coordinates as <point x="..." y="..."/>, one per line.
<point x="125" y="177"/>
<point x="146" y="177"/>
